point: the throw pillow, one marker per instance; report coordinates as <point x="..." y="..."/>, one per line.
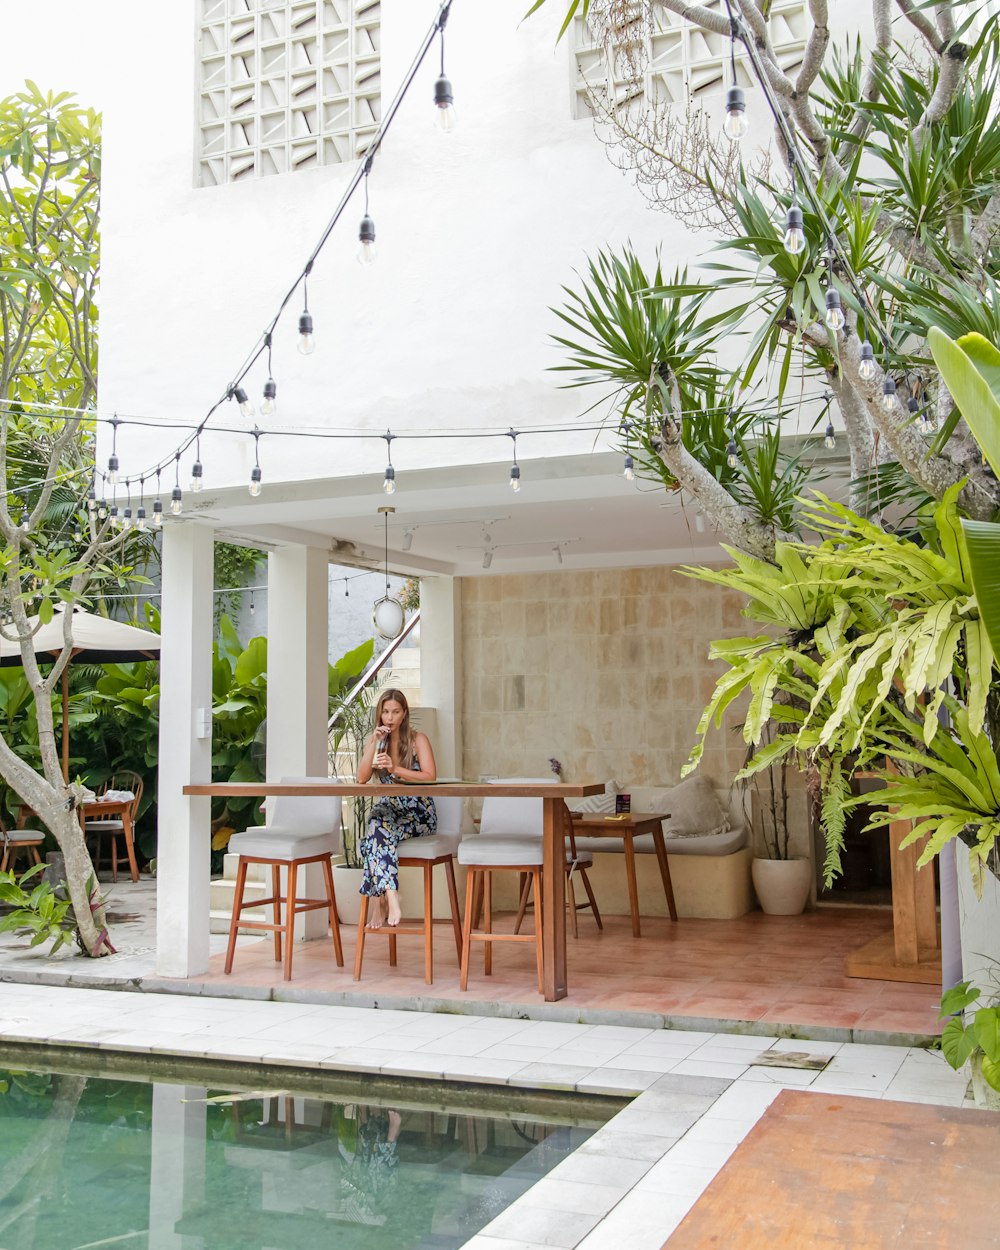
<point x="695" y="811"/>
<point x="602" y="804"/>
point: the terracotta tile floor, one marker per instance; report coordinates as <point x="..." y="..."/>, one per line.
<point x="766" y="969"/>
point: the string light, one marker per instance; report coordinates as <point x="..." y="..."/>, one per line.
<point x="196" y="468"/>
<point x="255" y="473"/>
<point x="307" y="343"/>
<point x="127" y="514"/>
<point x="25" y="519"/>
<point x="444" y="96"/>
<point x="367" y="252"/>
<point x="794" y="239"/>
<point x="389" y="479"/>
<point x="158" y="505"/>
<point x="736" y="124"/>
<point x="830" y="438"/>
<point x="515" y="468"/>
<point x="866" y="367"/>
<point x="889" y="393"/>
<point x="113" y="458"/>
<point x="176" y="495"/>
<point x="629" y="470"/>
<point x="268" y="403"/>
<point x="732" y="453"/>
<point x="241" y="397"/>
<point x="834" y="312"/>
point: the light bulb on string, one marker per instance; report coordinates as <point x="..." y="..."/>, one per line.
<point x="197" y="473"/>
<point x="347" y="589"/>
<point x="834" y="312"/>
<point x="794" y="238"/>
<point x="255" y="473"/>
<point x="113" y="470"/>
<point x="176" y="501"/>
<point x="925" y="423"/>
<point x="628" y="471"/>
<point x="889" y="394"/>
<point x="102" y="509"/>
<point x="115" y="519"/>
<point x="444" y="97"/>
<point x="830" y="438"/>
<point x="732" y="453"/>
<point x="25" y="519"/>
<point x="140" y="518"/>
<point x="158" y="514"/>
<point x="736" y="124"/>
<point x="127" y="518"/>
<point x="307" y="343"/>
<point x="514" y="482"/>
<point x="92" y="500"/>
<point x="268" y="404"/>
<point x="866" y="366"/>
<point x="243" y="400"/>
<point x="366" y="251"/>
<point x="389" y="477"/>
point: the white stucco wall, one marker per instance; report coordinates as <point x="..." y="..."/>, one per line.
<point x="477" y="232"/>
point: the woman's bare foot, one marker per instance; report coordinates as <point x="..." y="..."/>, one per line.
<point x="395" y="915"/>
<point x="376" y="912"/>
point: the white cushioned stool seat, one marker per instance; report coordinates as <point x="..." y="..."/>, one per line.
<point x="500" y="851"/>
<point x="269" y="843"/>
<point x="431" y="846"/>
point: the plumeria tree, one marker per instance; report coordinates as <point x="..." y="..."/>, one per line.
<point x="52" y="544"/>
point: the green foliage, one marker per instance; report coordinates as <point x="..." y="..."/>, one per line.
<point x="235" y="568"/>
<point x="42" y="913"/>
<point x="962" y="1040"/>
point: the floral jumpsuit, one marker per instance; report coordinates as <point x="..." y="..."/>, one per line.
<point x="392" y="820"/>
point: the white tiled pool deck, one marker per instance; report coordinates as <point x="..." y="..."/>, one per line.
<point x="696" y="1095"/>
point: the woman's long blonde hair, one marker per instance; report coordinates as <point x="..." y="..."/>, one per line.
<point x="405" y="734"/>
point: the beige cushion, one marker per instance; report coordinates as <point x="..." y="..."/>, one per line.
<point x="500" y="852"/>
<point x="695" y="811"/>
<point x="602" y="803"/>
<point x="268" y="843"/>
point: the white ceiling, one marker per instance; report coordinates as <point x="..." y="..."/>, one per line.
<point x="580" y="504"/>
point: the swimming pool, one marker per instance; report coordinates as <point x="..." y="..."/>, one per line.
<point x="234" y="1159"/>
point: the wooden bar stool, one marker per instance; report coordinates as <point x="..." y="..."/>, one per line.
<point x="303" y="830"/>
<point x="482" y="857"/>
<point x="426" y="853"/>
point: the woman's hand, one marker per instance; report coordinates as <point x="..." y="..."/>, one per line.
<point x="382" y="760"/>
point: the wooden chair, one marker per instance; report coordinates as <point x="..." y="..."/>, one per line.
<point x="482" y="857"/>
<point x="425" y="853"/>
<point x="117" y="826"/>
<point x="577" y="863"/>
<point x="302" y="830"/>
<point x="22" y="842"/>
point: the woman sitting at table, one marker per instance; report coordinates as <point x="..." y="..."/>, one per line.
<point x="395" y="753"/>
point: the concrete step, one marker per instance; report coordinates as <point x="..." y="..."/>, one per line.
<point x="220" y="893"/>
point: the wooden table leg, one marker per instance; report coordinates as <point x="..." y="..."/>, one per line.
<point x="130" y="845"/>
<point x="633" y="885"/>
<point x="668" y="886"/>
<point x="553" y="899"/>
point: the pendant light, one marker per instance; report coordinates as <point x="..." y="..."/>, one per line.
<point x="388" y="615"/>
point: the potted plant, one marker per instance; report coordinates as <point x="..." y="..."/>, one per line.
<point x="975" y="1041"/>
<point x="781" y="880"/>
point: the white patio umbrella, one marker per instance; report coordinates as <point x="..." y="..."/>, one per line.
<point x="96" y="639"/>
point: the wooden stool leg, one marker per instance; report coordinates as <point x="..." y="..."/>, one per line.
<point x="392" y="950"/>
<point x="359" y="950"/>
<point x="429" y="923"/>
<point x="488" y="920"/>
<point x="276" y="910"/>
<point x="331" y="893"/>
<point x="456" y="918"/>
<point x="290" y="919"/>
<point x="571" y="904"/>
<point x="114" y="857"/>
<point x="537" y="881"/>
<point x="470" y="888"/>
<point x="36" y="859"/>
<point x="590" y="895"/>
<point x="234" y="923"/>
<point x="477" y="912"/>
<point x="522" y="904"/>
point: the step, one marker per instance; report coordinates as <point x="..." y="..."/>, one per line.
<point x="220" y="893"/>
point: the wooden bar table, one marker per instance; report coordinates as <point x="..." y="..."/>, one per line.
<point x="553" y="838"/>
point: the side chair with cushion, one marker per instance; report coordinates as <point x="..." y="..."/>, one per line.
<point x="22" y="842"/>
<point x="426" y="853"/>
<point x="301" y="830"/>
<point x="506" y="817"/>
<point x="114" y="827"/>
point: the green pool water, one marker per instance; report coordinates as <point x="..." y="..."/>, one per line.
<point x="128" y="1164"/>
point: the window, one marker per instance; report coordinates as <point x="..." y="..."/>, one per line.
<point x="666" y="59"/>
<point x="285" y="85"/>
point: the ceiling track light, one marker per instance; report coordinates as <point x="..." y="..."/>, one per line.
<point x="407" y="539"/>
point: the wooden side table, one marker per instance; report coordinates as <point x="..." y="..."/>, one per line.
<point x="628" y="827"/>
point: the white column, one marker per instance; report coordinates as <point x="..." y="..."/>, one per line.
<point x="297" y="685"/>
<point x="297" y="659"/>
<point x="177" y="1164"/>
<point x="183" y="855"/>
<point x="441" y="667"/>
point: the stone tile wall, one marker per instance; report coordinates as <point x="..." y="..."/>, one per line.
<point x="606" y="671"/>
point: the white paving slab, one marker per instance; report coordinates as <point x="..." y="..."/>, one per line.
<point x="694" y="1094"/>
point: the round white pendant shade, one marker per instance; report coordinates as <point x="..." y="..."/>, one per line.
<point x="388" y="617"/>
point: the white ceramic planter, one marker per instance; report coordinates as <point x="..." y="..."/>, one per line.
<point x="347" y="883"/>
<point x="782" y="885"/>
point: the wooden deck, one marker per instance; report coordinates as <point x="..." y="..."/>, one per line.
<point x="828" y="1172"/>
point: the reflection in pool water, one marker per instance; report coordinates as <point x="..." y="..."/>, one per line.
<point x="89" y="1163"/>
